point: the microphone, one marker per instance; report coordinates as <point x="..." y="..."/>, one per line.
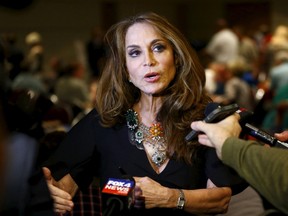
<point x="119" y="195"/>
<point x="264" y="136"/>
<point x="211" y="107"/>
<point x="245" y="117"/>
<point x="214" y="113"/>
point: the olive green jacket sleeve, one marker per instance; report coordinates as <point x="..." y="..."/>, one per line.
<point x="264" y="168"/>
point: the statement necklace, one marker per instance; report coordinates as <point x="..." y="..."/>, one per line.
<point x="140" y="134"/>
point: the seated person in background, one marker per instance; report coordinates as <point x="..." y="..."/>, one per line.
<point x="234" y="88"/>
<point x="278" y="74"/>
<point x="71" y="88"/>
<point x="276" y="118"/>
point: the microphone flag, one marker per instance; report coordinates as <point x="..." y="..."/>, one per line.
<point x="121" y="187"/>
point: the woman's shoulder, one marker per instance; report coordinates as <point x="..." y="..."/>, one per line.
<point x="87" y="120"/>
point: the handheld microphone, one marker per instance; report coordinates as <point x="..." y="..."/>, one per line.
<point x="119" y="195"/>
<point x="264" y="136"/>
<point x="245" y="117"/>
<point x="214" y="113"/>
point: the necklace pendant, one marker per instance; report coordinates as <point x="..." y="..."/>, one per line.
<point x="158" y="158"/>
<point x="156" y="130"/>
<point x="139" y="136"/>
<point x="132" y="120"/>
<point x="153" y="136"/>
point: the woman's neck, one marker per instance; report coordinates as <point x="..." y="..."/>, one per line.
<point x="147" y="109"/>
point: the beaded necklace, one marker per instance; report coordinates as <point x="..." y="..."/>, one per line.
<point x="153" y="137"/>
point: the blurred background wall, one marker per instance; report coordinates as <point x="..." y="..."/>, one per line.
<point x="65" y="24"/>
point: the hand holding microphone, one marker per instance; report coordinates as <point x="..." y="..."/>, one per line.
<point x="214" y="135"/>
<point x="215" y="113"/>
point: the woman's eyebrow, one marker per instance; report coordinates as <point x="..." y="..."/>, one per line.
<point x="132" y="46"/>
<point x="152" y="42"/>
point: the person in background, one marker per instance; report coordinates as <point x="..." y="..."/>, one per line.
<point x="278" y="73"/>
<point x="71" y="88"/>
<point x="5" y="81"/>
<point x="14" y="55"/>
<point x="223" y="46"/>
<point x="264" y="168"/>
<point x="151" y="88"/>
<point x="247" y="47"/>
<point x="234" y="88"/>
<point x="34" y="59"/>
<point x="276" y="116"/>
<point x="96" y="52"/>
<point x="23" y="189"/>
<point x="248" y="50"/>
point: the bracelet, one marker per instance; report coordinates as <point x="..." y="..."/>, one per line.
<point x="181" y="200"/>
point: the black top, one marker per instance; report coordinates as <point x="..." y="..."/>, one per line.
<point x="91" y="150"/>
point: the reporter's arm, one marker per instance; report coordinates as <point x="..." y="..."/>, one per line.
<point x="264" y="168"/>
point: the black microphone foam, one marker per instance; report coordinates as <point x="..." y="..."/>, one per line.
<point x="210" y="107"/>
<point x="245" y="116"/>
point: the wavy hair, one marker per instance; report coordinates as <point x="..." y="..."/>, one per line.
<point x="184" y="100"/>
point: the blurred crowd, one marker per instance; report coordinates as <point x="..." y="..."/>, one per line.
<point x="39" y="105"/>
<point x="251" y="69"/>
<point x="247" y="68"/>
<point x="68" y="86"/>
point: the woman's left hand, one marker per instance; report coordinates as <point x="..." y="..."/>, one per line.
<point x="152" y="194"/>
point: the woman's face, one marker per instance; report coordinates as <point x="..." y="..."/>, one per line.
<point x="149" y="59"/>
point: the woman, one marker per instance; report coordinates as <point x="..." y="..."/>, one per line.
<point x="151" y="88"/>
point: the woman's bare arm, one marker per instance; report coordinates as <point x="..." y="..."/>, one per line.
<point x="200" y="201"/>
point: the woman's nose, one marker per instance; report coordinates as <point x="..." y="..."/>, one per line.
<point x="149" y="64"/>
<point x="149" y="60"/>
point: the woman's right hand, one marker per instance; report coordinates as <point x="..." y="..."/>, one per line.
<point x="60" y="192"/>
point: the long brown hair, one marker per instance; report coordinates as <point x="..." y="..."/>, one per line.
<point x="185" y="98"/>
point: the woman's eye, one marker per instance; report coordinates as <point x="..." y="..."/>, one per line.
<point x="158" y="47"/>
<point x="133" y="53"/>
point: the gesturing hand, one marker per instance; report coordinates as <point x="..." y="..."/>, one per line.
<point x="62" y="199"/>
